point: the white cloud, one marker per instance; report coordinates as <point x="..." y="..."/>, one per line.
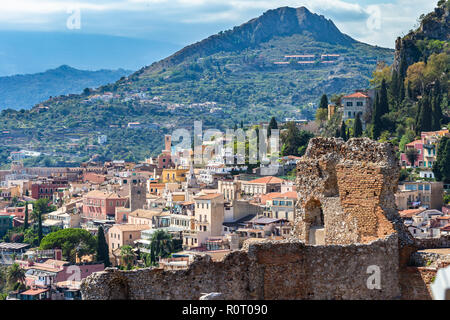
<point x="350" y="16"/>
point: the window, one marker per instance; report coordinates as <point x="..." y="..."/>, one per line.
<point x="131" y="236"/>
<point x="349" y="104"/>
<point x="359" y="103"/>
<point x="349" y="114"/>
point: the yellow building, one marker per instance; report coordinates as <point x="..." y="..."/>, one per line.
<point x="174" y="175"/>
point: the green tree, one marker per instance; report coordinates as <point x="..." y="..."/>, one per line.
<point x="425" y="116"/>
<point x="102" y="248"/>
<point x="412" y="155"/>
<point x="357" y="126"/>
<point x="377" y="125"/>
<point x="70" y="241"/>
<point x="436" y="107"/>
<point x="272" y="125"/>
<point x="25" y="223"/>
<point x="323" y="102"/>
<point x="15" y="274"/>
<point x="441" y="167"/>
<point x="343" y="131"/>
<point x="383" y="103"/>
<point x="41" y="207"/>
<point x="321" y="114"/>
<point x="294" y="140"/>
<point x="127" y="256"/>
<point x="162" y="245"/>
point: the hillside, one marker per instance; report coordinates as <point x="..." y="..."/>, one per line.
<point x="24" y="91"/>
<point x="414" y="91"/>
<point x="274" y="65"/>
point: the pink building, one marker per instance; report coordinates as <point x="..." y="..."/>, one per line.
<point x="52" y="271"/>
<point x="418" y="145"/>
<point x="165" y="161"/>
<point x="18" y="212"/>
<point x="99" y="205"/>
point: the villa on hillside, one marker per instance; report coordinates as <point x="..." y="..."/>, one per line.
<point x="357" y="102"/>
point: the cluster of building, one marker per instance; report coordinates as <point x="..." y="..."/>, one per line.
<point x="47" y="275"/>
<point x="211" y="209"/>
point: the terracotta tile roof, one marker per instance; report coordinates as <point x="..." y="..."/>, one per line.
<point x="33" y="292"/>
<point x="356" y="95"/>
<point x="410" y="212"/>
<point x="142" y="213"/>
<point x="267" y="180"/>
<point x="446" y="227"/>
<point x="131" y="227"/>
<point x="209" y="196"/>
<point x="414" y="143"/>
<point x="102" y="194"/>
<point x="272" y="195"/>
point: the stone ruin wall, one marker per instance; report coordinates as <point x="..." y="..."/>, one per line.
<point x="354" y="184"/>
<point x="286" y="269"/>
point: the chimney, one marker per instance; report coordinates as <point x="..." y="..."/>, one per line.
<point x="58" y="254"/>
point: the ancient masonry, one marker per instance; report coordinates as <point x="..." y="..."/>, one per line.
<point x="348" y="241"/>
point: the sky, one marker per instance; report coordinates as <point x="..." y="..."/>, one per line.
<point x="182" y="22"/>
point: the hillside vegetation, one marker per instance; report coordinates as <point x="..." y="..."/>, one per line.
<point x="223" y="80"/>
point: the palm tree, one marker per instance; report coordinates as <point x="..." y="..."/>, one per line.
<point x="15" y="274"/>
<point x="127" y="256"/>
<point x="161" y="245"/>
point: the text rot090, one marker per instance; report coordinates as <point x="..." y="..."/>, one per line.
<point x="246" y="309"/>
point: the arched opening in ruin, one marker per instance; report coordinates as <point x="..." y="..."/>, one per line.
<point x="118" y="289"/>
<point x="315" y="222"/>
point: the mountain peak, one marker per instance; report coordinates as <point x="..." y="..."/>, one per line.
<point x="280" y="22"/>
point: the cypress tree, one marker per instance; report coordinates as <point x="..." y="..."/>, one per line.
<point x="272" y="125"/>
<point x="39" y="226"/>
<point x="343" y="132"/>
<point x="409" y="90"/>
<point x="425" y="115"/>
<point x="402" y="67"/>
<point x="383" y="103"/>
<point x="324" y="102"/>
<point x="25" y="223"/>
<point x="401" y="92"/>
<point x="102" y="247"/>
<point x="441" y="167"/>
<point x="394" y="86"/>
<point x="436" y="106"/>
<point x="376" y="119"/>
<point x="357" y="126"/>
